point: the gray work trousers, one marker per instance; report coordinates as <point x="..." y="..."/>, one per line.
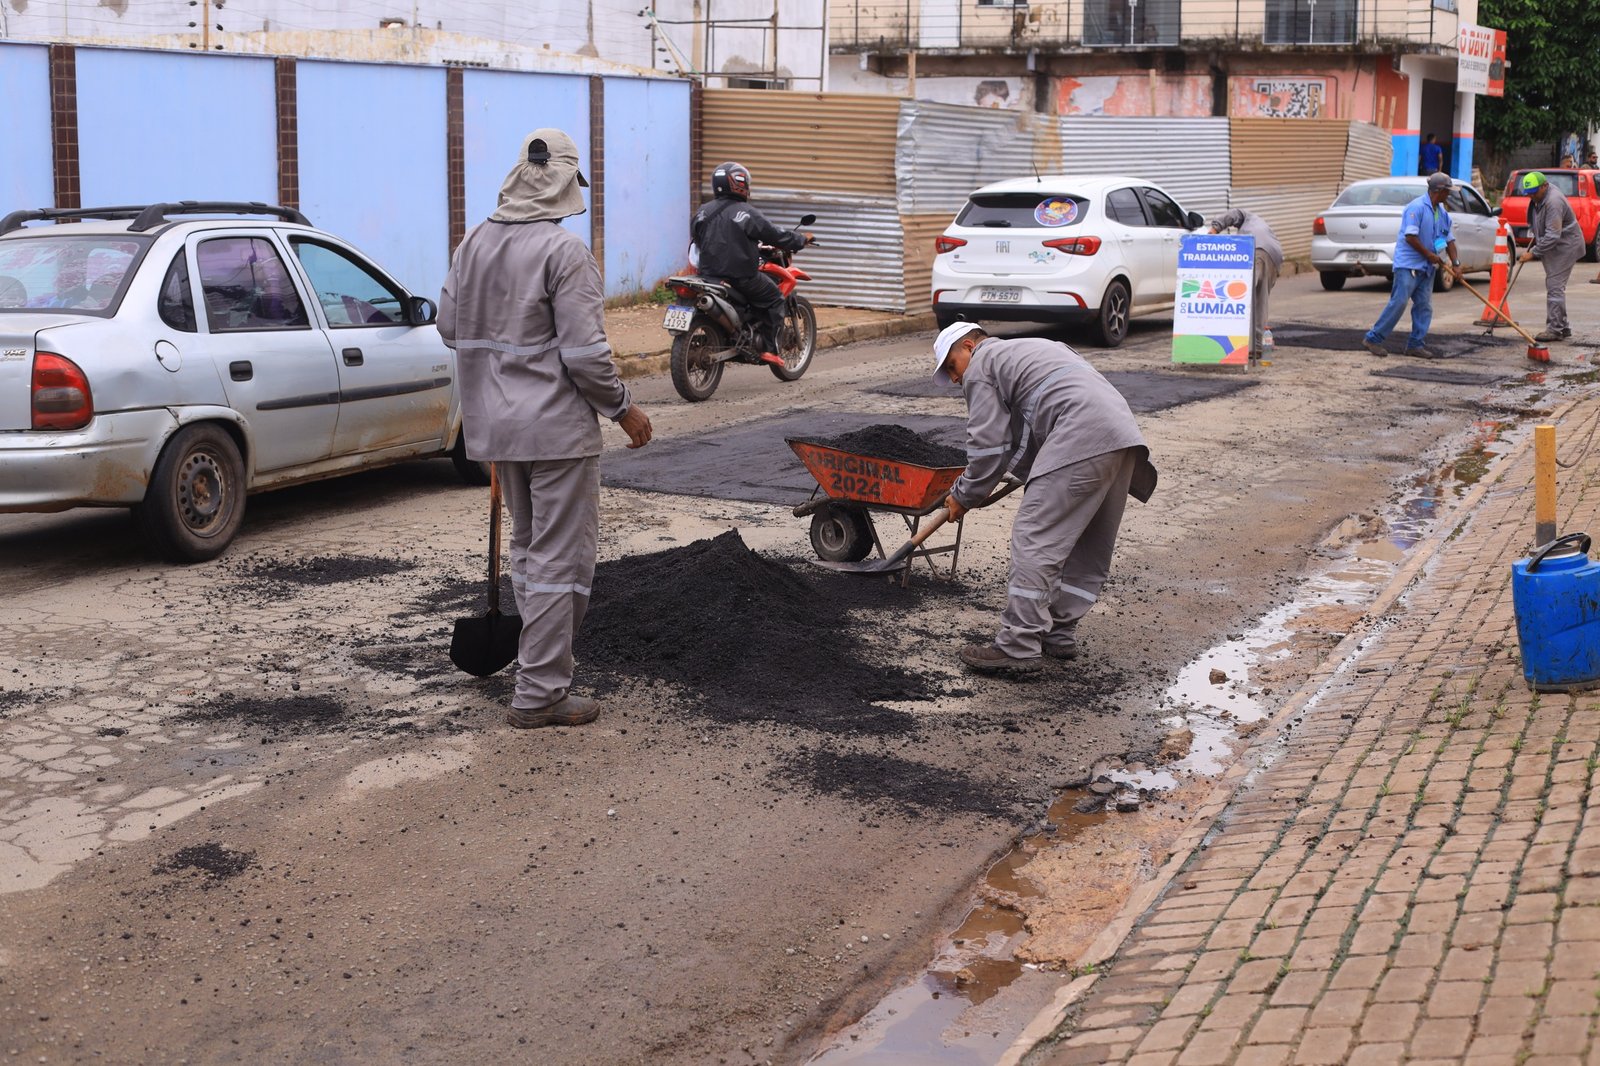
<point x="1557" y="269"/>
<point x="1266" y="276"/>
<point x="555" y="529"/>
<point x="1061" y="545"/>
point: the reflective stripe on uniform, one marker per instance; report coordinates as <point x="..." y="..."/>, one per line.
<point x="1073" y="590"/>
<point x="509" y="349"/>
<point x="1027" y="594"/>
<point x="571" y="586"/>
<point x="586" y="349"/>
<point x="979" y="453"/>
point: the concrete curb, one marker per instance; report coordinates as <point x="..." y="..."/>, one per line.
<point x="1111" y="939"/>
<point x="644" y="364"/>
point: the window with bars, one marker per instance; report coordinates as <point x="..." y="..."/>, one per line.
<point x="1121" y="23"/>
<point x="1310" y="22"/>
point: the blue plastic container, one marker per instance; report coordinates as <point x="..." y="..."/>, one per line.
<point x="1556" y="595"/>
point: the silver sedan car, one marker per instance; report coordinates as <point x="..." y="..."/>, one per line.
<point x="1355" y="237"/>
<point x="172" y="364"/>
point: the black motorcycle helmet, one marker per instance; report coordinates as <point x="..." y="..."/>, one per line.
<point x="731" y="179"/>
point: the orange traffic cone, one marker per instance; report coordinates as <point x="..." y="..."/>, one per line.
<point x="1499" y="279"/>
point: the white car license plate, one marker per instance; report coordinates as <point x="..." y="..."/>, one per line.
<point x="678" y="318"/>
<point x="1001" y="296"/>
<point x="1363" y="257"/>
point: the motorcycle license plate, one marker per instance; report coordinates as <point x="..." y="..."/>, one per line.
<point x="1001" y="296"/>
<point x="678" y="318"/>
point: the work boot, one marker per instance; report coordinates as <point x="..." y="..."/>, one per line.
<point x="1376" y="349"/>
<point x="1064" y="651"/>
<point x="988" y="659"/>
<point x="569" y="710"/>
<point x="1553" y="335"/>
<point x="1422" y="352"/>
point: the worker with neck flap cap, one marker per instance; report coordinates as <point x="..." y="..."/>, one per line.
<point x="523" y="307"/>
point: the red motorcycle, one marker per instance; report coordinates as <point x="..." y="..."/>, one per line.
<point x="711" y="326"/>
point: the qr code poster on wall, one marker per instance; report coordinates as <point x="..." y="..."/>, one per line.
<point x="1280" y="98"/>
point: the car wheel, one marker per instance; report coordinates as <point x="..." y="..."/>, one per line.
<point x="1111" y="322"/>
<point x="469" y="470"/>
<point x="195" y="500"/>
<point x="1443" y="281"/>
<point x="1333" y="280"/>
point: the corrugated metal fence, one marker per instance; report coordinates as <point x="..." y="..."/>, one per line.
<point x="906" y="167"/>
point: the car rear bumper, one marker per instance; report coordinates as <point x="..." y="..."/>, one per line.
<point x="1334" y="257"/>
<point x="998" y="312"/>
<point x="106" y="464"/>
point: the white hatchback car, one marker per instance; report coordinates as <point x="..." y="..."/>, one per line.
<point x="1055" y="248"/>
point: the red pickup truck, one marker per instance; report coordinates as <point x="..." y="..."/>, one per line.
<point x="1582" y="190"/>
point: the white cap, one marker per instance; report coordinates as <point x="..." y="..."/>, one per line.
<point x="944" y="342"/>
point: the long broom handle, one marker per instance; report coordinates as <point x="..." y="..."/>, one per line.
<point x="494" y="537"/>
<point x="1499" y="311"/>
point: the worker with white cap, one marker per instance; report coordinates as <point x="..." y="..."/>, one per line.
<point x="1037" y="409"/>
<point x="524" y="309"/>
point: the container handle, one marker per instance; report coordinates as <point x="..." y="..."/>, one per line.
<point x="1581" y="539"/>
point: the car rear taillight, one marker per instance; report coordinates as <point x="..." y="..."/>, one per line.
<point x="61" y="397"/>
<point x="1319" y="227"/>
<point x="1075" y="245"/>
<point x="942" y="245"/>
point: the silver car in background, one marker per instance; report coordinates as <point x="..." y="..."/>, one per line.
<point x="172" y="364"/>
<point x="1355" y="237"/>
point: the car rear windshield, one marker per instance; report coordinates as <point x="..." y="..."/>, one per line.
<point x="74" y="274"/>
<point x="1567" y="183"/>
<point x="1031" y="209"/>
<point x="1379" y="195"/>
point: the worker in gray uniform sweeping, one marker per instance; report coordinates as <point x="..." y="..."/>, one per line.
<point x="523" y="307"/>
<point x="1558" y="243"/>
<point x="1038" y="409"/>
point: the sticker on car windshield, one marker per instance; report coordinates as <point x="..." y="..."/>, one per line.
<point x="1056" y="212"/>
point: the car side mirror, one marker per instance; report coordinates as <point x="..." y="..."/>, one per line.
<point x="421" y="311"/>
<point x="1494" y="212"/>
<point x="806" y="220"/>
<point x="1195" y="220"/>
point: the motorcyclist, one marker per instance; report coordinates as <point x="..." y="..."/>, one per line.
<point x="726" y="233"/>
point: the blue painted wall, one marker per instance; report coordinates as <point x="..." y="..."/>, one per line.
<point x="502" y="107"/>
<point x="1407" y="152"/>
<point x="647" y="182"/>
<point x="1460" y="161"/>
<point x="373" y="164"/>
<point x="158" y="126"/>
<point x="26" y="175"/>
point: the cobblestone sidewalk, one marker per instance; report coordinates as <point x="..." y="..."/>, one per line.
<point x="1416" y="877"/>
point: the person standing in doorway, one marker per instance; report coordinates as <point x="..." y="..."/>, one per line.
<point x="1426" y="239"/>
<point x="1432" y="155"/>
<point x="523" y="307"/>
<point x="1557" y="243"/>
<point x="1269" y="260"/>
<point x="1038" y="409"/>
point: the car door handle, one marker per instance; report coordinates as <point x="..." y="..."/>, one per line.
<point x="352" y="357"/>
<point x="241" y="370"/>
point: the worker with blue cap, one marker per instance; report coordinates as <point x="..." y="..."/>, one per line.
<point x="1557" y="242"/>
<point x="1037" y="409"/>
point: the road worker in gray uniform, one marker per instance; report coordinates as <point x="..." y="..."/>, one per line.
<point x="1269" y="260"/>
<point x="1558" y="243"/>
<point x="523" y="308"/>
<point x="1038" y="409"/>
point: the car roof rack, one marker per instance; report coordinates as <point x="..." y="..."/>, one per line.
<point x="149" y="216"/>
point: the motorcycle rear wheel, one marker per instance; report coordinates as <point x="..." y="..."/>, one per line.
<point x="797" y="340"/>
<point x="694" y="374"/>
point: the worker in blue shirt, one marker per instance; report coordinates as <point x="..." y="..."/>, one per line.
<point x="1426" y="240"/>
<point x="1432" y="155"/>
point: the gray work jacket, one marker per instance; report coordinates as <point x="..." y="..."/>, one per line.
<point x="524" y="309"/>
<point x="1553" y="226"/>
<point x="1034" y="406"/>
<point x="1252" y="225"/>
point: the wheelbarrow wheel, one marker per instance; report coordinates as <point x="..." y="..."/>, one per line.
<point x="841" y="534"/>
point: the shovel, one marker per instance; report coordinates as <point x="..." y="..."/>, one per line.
<point x="483" y="645"/>
<point x="903" y="553"/>
<point x="1536" y="351"/>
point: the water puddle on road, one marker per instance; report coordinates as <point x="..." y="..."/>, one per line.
<point x="1048" y="898"/>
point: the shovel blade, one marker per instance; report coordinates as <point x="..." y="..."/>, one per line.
<point x="484" y="645"/>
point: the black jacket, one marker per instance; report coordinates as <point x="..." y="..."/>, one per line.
<point x="726" y="232"/>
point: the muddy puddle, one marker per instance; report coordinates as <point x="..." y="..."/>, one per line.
<point x="1040" y="906"/>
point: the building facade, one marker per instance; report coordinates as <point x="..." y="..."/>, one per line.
<point x="1388" y="62"/>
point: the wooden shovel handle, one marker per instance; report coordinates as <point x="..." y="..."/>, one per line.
<point x="494" y="537"/>
<point x="1498" y="310"/>
<point x="942" y="515"/>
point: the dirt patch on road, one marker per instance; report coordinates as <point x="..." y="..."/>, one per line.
<point x="914" y="788"/>
<point x="273" y="714"/>
<point x="321" y="569"/>
<point x="213" y="860"/>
